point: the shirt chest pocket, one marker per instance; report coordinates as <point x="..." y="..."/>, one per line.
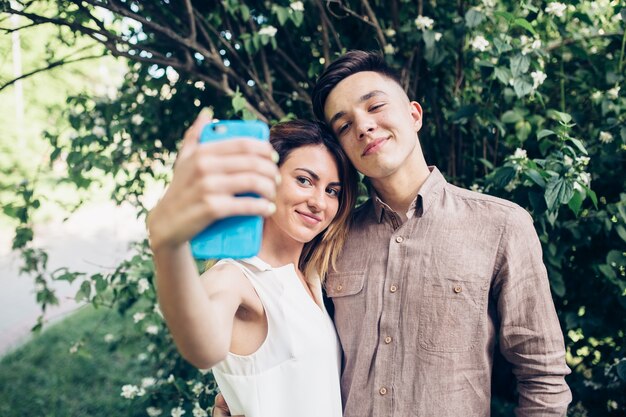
<point x="451" y="314"/>
<point x="347" y="291"/>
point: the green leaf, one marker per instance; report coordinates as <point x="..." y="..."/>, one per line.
<point x="558" y="191"/>
<point x="465" y="112"/>
<point x="245" y="12"/>
<point x="521" y="22"/>
<point x="579" y="145"/>
<point x="502" y="46"/>
<point x="473" y="18"/>
<point x="536" y="177"/>
<point x="282" y="13"/>
<point x="557" y="283"/>
<point x="564" y="118"/>
<point x="505" y="15"/>
<point x="486" y="163"/>
<point x="621" y="232"/>
<point x="519" y="65"/>
<point x="544" y="133"/>
<point x="503" y="175"/>
<point x="616" y="258"/>
<point x="503" y="74"/>
<point x="522" y="87"/>
<point x="607" y="271"/>
<point x="621" y="365"/>
<point x="511" y="116"/>
<point x="576" y="202"/>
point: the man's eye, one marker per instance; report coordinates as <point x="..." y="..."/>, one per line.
<point x="377" y="106"/>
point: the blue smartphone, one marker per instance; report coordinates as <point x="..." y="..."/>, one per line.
<point x="238" y="236"/>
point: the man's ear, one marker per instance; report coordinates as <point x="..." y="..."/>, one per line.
<point x="416" y="114"/>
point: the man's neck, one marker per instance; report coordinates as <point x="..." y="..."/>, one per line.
<point x="400" y="189"/>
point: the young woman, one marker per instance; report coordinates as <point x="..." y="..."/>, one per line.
<point x="260" y="323"/>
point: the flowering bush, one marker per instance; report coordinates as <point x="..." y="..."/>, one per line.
<point x="520" y="100"/>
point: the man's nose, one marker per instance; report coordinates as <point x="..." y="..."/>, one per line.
<point x="365" y="125"/>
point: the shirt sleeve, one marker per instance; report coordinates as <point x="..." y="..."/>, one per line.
<point x="530" y="335"/>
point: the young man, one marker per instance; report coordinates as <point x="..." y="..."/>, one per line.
<point x="431" y="274"/>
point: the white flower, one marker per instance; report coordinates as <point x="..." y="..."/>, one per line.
<point x="520" y="154"/>
<point x="476" y="188"/>
<point x="490" y="4"/>
<point x="170" y="379"/>
<point x="137" y="317"/>
<point x="390" y="33"/>
<point x="596" y="96"/>
<point x="198" y="411"/>
<point x="157" y="310"/>
<point x="567" y="161"/>
<point x="438" y="36"/>
<point x="153" y="411"/>
<point x="39" y="287"/>
<point x="143" y="285"/>
<point x="298" y="6"/>
<point x="177" y="412"/>
<point x="197" y="388"/>
<point x="147" y="382"/>
<point x="538" y="78"/>
<point x="479" y="43"/>
<point x="151" y="347"/>
<point x="584" y="178"/>
<point x="108" y="338"/>
<point x="99" y="131"/>
<point x="606" y="137"/>
<point x="171" y="74"/>
<point x="137" y="119"/>
<point x="555" y="8"/>
<point x="268" y="31"/>
<point x="199" y="85"/>
<point x="424" y="22"/>
<point x="152" y="329"/>
<point x="390" y="49"/>
<point x="142" y="357"/>
<point x="582" y="160"/>
<point x="74" y="348"/>
<point x="613" y="93"/>
<point x="130" y="391"/>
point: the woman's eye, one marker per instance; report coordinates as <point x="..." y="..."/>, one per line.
<point x="343" y="128"/>
<point x="303" y="180"/>
<point x="333" y="192"/>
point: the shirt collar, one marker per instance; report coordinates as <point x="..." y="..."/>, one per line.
<point x="428" y="192"/>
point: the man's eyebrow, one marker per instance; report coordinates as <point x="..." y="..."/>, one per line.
<point x="363" y="98"/>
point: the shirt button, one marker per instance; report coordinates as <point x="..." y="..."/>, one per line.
<point x="388" y="339"/>
<point x="339" y="287"/>
<point x="458" y="289"/>
<point x="382" y="391"/>
<point x="393" y="288"/>
<point x="399" y="239"/>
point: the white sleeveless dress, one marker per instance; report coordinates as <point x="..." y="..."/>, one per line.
<point x="296" y="371"/>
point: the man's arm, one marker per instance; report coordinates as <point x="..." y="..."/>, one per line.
<point x="220" y="408"/>
<point x="530" y="335"/>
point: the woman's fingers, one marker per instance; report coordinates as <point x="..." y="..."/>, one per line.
<point x="192" y="134"/>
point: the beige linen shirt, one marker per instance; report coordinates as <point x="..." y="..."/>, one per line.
<point x="419" y="305"/>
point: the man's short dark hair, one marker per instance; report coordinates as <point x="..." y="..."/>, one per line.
<point x="348" y="64"/>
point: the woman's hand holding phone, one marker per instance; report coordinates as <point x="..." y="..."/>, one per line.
<point x="207" y="178"/>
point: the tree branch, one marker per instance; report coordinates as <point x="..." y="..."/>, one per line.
<point x="48" y="67"/>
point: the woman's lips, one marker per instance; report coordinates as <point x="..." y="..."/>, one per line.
<point x="309" y="217"/>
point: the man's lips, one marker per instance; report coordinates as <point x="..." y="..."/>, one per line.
<point x="373" y="146"/>
<point x="309" y="217"/>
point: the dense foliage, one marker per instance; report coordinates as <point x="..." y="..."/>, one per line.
<point x="521" y="100"/>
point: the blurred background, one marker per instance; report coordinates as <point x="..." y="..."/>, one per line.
<point x="524" y="100"/>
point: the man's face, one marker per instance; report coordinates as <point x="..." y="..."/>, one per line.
<point x="375" y="123"/>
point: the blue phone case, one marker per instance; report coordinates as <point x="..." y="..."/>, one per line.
<point x="238" y="236"/>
